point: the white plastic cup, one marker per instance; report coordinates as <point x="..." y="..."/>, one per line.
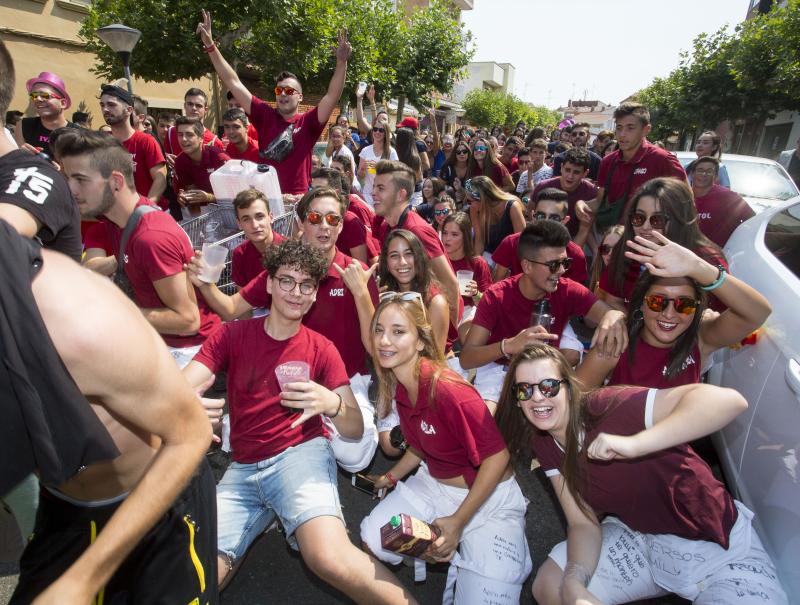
<point x="292" y="371"/>
<point x="362" y="88"/>
<point x="464" y="277"/>
<point x="214" y="257"/>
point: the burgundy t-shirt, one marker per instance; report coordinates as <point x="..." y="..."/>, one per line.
<point x="156" y="249"/>
<point x="246" y="261"/>
<point x="418" y="226"/>
<point x="668" y="492"/>
<point x="334" y="315"/>
<point x="506" y="256"/>
<point x="209" y="139"/>
<point x="366" y="215"/>
<point x="294" y="171"/>
<point x="499" y="175"/>
<point x="481" y="274"/>
<point x="650" y="368"/>
<point x="250" y="153"/>
<point x="260" y="425"/>
<point x="719" y="212"/>
<point x="650" y="162"/>
<point x="96" y="236"/>
<point x="353" y="234"/>
<point x="505" y="312"/>
<point x="146" y="154"/>
<point x="189" y="175"/>
<point x="585" y="191"/>
<point x="453" y="429"/>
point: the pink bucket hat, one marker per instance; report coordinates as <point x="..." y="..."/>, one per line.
<point x="51" y="79"/>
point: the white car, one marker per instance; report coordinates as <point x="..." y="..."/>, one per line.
<point x="759" y="450"/>
<point x="761" y="182"/>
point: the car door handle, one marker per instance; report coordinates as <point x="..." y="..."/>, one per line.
<point x="793" y="375"/>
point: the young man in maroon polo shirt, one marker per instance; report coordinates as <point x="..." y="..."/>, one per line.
<point x="719" y="210"/>
<point x="394" y="184"/>
<point x="149" y="166"/>
<point x="193" y="167"/>
<point x="286" y="138"/>
<point x="195" y="105"/>
<point x="354" y="240"/>
<point x="100" y="176"/>
<point x="549" y="204"/>
<point x="283" y="465"/>
<point x="254" y="219"/>
<point x="502" y="324"/>
<point x="342" y="311"/>
<point x="626" y="169"/>
<point x="572" y="180"/>
<point x="240" y="145"/>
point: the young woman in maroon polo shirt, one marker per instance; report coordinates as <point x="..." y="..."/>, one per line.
<point x="622" y="454"/>
<point x="463" y="483"/>
<point x="484" y="162"/>
<point x="665" y="206"/>
<point x="670" y="339"/>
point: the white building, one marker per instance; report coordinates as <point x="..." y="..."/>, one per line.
<point x="487" y="75"/>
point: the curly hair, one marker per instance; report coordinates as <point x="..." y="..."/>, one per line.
<point x="294" y="254"/>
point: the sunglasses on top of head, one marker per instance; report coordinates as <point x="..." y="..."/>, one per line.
<point x="685" y="305"/>
<point x="658" y="220"/>
<point x="549" y="388"/>
<point x="316" y="218"/>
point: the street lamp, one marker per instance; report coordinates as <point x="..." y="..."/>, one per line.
<point x="121" y="39"/>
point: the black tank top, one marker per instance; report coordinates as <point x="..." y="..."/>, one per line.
<point x="501" y="229"/>
<point x="35" y="134"/>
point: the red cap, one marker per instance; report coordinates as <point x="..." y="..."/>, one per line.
<point x="409" y="122"/>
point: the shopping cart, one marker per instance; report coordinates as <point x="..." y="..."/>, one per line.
<point x="219" y="225"/>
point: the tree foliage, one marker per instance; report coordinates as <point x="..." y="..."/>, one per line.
<point x="268" y="36"/>
<point x="752" y="72"/>
<point x="488" y="108"/>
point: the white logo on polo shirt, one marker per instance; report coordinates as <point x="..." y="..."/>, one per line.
<point x="336" y="292"/>
<point x="689" y="361"/>
<point x="427" y="428"/>
<point x="640" y="171"/>
<point x="704" y="215"/>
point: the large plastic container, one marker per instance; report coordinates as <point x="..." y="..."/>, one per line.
<point x="237" y="175"/>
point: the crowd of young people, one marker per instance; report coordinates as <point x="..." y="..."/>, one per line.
<point x="451" y="273"/>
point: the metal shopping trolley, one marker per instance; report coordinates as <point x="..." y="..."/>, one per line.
<point x="219" y="225"/>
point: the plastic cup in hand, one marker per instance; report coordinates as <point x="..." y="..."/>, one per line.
<point x="214" y="257"/>
<point x="464" y="277"/>
<point x="362" y="88"/>
<point x="292" y="371"/>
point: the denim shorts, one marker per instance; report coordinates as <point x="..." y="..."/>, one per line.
<point x="295" y="486"/>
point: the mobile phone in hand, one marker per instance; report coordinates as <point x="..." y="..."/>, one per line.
<point x="367" y="485"/>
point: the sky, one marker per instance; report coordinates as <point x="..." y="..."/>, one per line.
<point x="592" y="49"/>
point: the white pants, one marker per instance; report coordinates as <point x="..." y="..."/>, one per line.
<point x="489" y="380"/>
<point x="492" y="560"/>
<point x="635" y="566"/>
<point x="354" y="455"/>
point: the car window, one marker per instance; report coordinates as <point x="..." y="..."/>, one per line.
<point x="752" y="179"/>
<point x="782" y="237"/>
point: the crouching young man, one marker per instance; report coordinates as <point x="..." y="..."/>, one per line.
<point x="283" y="464"/>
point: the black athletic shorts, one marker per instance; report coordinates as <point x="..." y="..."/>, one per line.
<point x="174" y="564"/>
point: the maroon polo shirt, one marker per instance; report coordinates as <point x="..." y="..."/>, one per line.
<point x="506" y="256"/>
<point x="585" y="191"/>
<point x="191" y="175"/>
<point x="719" y="212"/>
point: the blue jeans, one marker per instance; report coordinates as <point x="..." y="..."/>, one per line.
<point x="295" y="486"/>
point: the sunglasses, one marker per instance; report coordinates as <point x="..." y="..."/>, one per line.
<point x="479" y="148"/>
<point x="288" y="284"/>
<point x="46" y="96"/>
<point x="549" y="388"/>
<point x="442" y="212"/>
<point x="462" y="151"/>
<point x="378" y="129"/>
<point x="658" y="220"/>
<point x="316" y="218"/>
<point x="286" y="90"/>
<point x="604" y="249"/>
<point x="390" y="295"/>
<point x="554" y="265"/>
<point x="685" y="305"/>
<point x="540" y="216"/>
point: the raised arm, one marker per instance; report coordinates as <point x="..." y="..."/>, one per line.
<point x="362" y="286"/>
<point x="336" y="86"/>
<point x="224" y="70"/>
<point x="227" y="307"/>
<point x="363" y="126"/>
<point x="142" y="388"/>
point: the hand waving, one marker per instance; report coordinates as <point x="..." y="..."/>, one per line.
<point x="664" y="258"/>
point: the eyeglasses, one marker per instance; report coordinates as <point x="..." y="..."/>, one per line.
<point x="604" y="249"/>
<point x="391" y="295"/>
<point x="658" y="220"/>
<point x="685" y="305"/>
<point x="479" y="148"/>
<point x="462" y="151"/>
<point x="45" y="96"/>
<point x="316" y="218"/>
<point x="441" y="212"/>
<point x="285" y="90"/>
<point x="549" y="388"/>
<point x="554" y="265"/>
<point x="288" y="284"/>
<point x="540" y="216"/>
<point x="379" y="129"/>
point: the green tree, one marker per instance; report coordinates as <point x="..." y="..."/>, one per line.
<point x="488" y="108"/>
